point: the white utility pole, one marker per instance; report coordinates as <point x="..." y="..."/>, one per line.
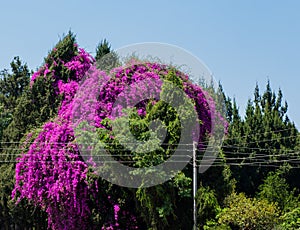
<point x="194" y="185"/>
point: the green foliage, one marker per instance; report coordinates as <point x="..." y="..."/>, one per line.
<point x="5" y="119"/>
<point x="102" y="49"/>
<point x="248" y="213"/>
<point x="13" y="84"/>
<point x="156" y="206"/>
<point x="183" y="184"/>
<point x="213" y="225"/>
<point x="171" y="76"/>
<point x="105" y="57"/>
<point x="207" y="205"/>
<point x="291" y="220"/>
<point x="276" y="190"/>
<point x="219" y="179"/>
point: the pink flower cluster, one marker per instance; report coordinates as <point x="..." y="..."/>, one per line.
<point x="137" y="72"/>
<point x="80" y="64"/>
<point x="51" y="174"/>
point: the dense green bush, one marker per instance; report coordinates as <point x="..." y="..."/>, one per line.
<point x="248" y="213"/>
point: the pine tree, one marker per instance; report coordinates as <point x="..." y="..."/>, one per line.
<point x="102" y="49"/>
<point x="264" y="138"/>
<point x="12" y="85"/>
<point x="105" y="57"/>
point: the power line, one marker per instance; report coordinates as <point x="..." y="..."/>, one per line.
<point x="258" y="134"/>
<point x="226" y="139"/>
<point x="161" y="144"/>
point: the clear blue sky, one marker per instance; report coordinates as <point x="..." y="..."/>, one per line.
<point x="242" y="42"/>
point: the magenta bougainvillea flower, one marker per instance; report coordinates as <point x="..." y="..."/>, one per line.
<point x="51" y="173"/>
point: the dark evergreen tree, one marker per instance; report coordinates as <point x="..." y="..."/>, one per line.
<point x="105" y="57"/>
<point x="261" y="141"/>
<point x="102" y="49"/>
<point x="12" y="85"/>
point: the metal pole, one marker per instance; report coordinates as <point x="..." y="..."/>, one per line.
<point x="194" y="185"/>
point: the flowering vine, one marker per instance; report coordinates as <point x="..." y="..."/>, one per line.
<point x="51" y="174"/>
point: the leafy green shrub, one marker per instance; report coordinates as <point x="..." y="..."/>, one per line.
<point x="248" y="213"/>
<point x="275" y="189"/>
<point x="207" y="204"/>
<point x="291" y="220"/>
<point x="213" y="225"/>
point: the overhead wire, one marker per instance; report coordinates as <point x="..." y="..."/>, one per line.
<point x="253" y="156"/>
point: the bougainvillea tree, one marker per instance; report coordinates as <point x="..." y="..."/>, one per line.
<point x="51" y="173"/>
